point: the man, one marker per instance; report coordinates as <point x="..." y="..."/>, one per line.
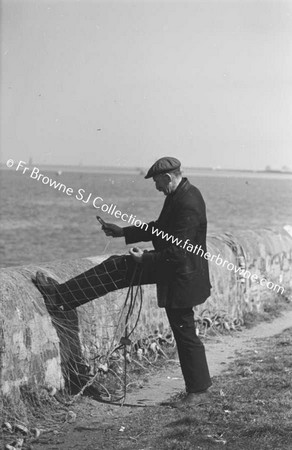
<point x="176" y="266"/>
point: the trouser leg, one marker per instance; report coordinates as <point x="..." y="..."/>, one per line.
<point x="114" y="273"/>
<point x="191" y="351"/>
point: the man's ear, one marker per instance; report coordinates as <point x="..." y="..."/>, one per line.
<point x="169" y="177"/>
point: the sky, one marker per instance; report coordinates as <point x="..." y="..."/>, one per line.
<point x="123" y="83"/>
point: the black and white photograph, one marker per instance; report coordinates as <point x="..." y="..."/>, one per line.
<point x="146" y="224"/>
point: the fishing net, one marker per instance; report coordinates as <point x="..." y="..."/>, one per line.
<point x="99" y="349"/>
<point x="48" y="361"/>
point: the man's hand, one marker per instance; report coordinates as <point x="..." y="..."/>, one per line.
<point x="113" y="230"/>
<point x="136" y="254"/>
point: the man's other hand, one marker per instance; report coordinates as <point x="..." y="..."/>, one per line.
<point x="137" y="254"/>
<point x="113" y="230"/>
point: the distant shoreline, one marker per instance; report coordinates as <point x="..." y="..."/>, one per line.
<point x="138" y="170"/>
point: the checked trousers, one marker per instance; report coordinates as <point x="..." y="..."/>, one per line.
<point x="119" y="272"/>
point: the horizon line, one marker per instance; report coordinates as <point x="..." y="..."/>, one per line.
<point x="142" y="169"/>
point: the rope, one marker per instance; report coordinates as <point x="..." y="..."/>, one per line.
<point x="124" y="341"/>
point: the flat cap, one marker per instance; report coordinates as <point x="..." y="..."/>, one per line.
<point x="163" y="165"/>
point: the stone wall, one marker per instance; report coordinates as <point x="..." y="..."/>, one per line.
<point x="36" y="350"/>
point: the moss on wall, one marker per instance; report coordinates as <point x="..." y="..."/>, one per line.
<point x="38" y="351"/>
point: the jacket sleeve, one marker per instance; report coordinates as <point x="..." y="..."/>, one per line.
<point x="185" y="227"/>
<point x="136" y="234"/>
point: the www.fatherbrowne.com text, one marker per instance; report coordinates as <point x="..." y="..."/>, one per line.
<point x="112" y="210"/>
<point x="218" y="260"/>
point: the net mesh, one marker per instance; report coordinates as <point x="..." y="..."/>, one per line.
<point x="101" y="345"/>
<point x="89" y="347"/>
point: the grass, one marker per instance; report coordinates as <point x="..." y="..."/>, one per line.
<point x="251" y="405"/>
<point x="250" y="408"/>
<point x="273" y="307"/>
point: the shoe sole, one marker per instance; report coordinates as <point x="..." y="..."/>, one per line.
<point x="52" y="308"/>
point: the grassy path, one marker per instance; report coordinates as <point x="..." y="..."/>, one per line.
<point x="251" y="403"/>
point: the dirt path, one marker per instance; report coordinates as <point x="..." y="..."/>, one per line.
<point x="94" y="418"/>
<point x="220" y="351"/>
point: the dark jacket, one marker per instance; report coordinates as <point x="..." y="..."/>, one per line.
<point x="182" y="271"/>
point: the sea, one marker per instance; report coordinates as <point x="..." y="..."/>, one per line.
<point x="53" y="216"/>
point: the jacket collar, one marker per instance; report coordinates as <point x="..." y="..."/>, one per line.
<point x="183" y="187"/>
<point x="170" y="199"/>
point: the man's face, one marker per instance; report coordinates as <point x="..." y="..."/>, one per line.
<point x="162" y="183"/>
